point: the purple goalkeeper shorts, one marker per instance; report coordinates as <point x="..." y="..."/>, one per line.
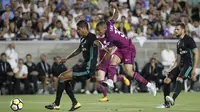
<point x="127" y="55"/>
<point x="104" y="67"/>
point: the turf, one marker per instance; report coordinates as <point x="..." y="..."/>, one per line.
<point x="140" y="102"/>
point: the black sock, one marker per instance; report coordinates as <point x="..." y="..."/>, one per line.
<point x="69" y="91"/>
<point x="177" y="89"/>
<point x="59" y="92"/>
<point x="166" y="91"/>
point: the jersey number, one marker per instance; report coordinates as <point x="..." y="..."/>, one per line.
<point x="120" y="33"/>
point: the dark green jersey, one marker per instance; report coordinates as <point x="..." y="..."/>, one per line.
<point x="89" y="51"/>
<point x="184" y="49"/>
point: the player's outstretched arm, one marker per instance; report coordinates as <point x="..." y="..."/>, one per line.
<point x="100" y="45"/>
<point x="74" y="53"/>
<point x="115" y="11"/>
<point x="108" y="54"/>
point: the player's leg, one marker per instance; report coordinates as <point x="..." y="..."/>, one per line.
<point x="166" y="91"/>
<point x="119" y="78"/>
<point x="68" y="77"/>
<point x="59" y="91"/>
<point x="166" y="87"/>
<point x="139" y="78"/>
<point x="112" y="71"/>
<point x="101" y="77"/>
<point x="70" y="93"/>
<point x="184" y="72"/>
<point x="128" y="60"/>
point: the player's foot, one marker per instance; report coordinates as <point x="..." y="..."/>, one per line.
<point x="163" y="106"/>
<point x="108" y="83"/>
<point x="52" y="107"/>
<point x="104" y="99"/>
<point x="152" y="89"/>
<point x="126" y="81"/>
<point x="75" y="107"/>
<point x="170" y="100"/>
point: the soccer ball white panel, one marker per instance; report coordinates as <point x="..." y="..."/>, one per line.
<point x="14" y="107"/>
<point x="16" y="104"/>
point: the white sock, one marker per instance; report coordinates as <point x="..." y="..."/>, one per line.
<point x="148" y="84"/>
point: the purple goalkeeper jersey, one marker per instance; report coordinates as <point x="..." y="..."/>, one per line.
<point x="115" y="37"/>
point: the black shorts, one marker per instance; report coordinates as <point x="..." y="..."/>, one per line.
<point x="184" y="72"/>
<point x="81" y="74"/>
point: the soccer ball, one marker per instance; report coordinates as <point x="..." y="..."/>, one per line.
<point x="16" y="104"/>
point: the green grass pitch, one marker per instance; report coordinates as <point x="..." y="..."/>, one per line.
<point x="139" y="102"/>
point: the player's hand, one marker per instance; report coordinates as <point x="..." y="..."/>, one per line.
<point x="193" y="75"/>
<point x="63" y="60"/>
<point x="113" y="4"/>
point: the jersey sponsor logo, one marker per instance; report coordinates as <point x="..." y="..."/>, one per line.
<point x="83" y="42"/>
<point x="183" y="52"/>
<point x="126" y="59"/>
<point x="84" y="49"/>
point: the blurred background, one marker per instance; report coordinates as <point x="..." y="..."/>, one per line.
<point x="35" y="34"/>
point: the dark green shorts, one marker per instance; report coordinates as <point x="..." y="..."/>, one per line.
<point x="81" y="74"/>
<point x="184" y="72"/>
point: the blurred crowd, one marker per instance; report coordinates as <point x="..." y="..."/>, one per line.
<point x="56" y="19"/>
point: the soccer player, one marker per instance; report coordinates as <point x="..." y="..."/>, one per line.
<point x="103" y="68"/>
<point x="184" y="66"/>
<point x="90" y="54"/>
<point x="125" y="51"/>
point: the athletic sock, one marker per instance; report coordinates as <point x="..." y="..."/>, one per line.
<point x="120" y="78"/>
<point x="69" y="91"/>
<point x="166" y="90"/>
<point x="139" y="78"/>
<point x="177" y="89"/>
<point x="103" y="89"/>
<point x="59" y="92"/>
<point x="112" y="71"/>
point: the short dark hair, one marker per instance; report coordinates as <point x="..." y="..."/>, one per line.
<point x="82" y="24"/>
<point x="43" y="55"/>
<point x="56" y="57"/>
<point x="3" y="54"/>
<point x="101" y="23"/>
<point x="29" y="55"/>
<point x="20" y="59"/>
<point x="182" y="25"/>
